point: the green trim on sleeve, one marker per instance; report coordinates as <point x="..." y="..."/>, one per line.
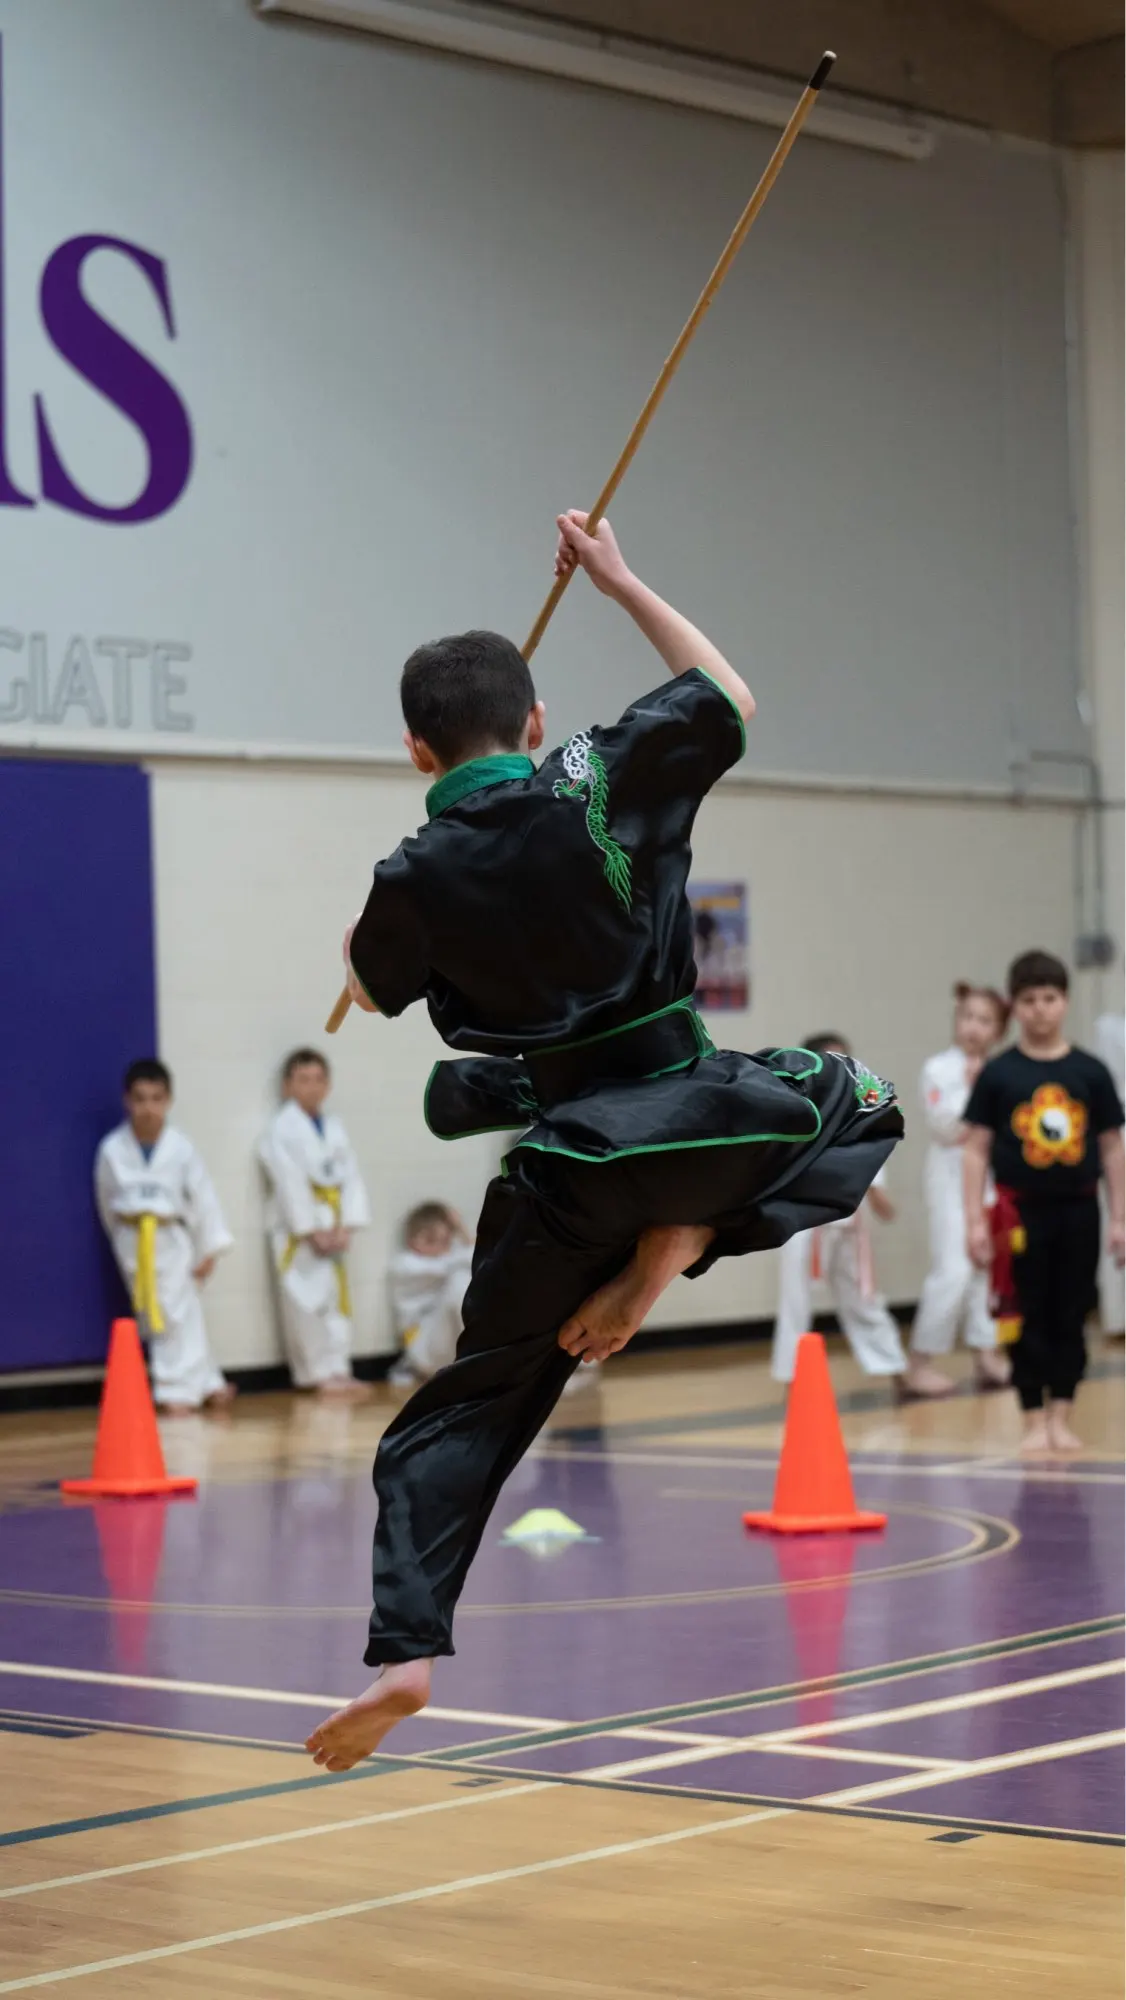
<point x="728" y="696"/>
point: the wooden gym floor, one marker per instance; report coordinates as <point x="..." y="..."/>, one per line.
<point x="669" y="1759"/>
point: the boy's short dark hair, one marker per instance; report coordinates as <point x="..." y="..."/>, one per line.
<point x="1037" y="968"/>
<point x="297" y="1058"/>
<point x="424" y="1217"/>
<point x="827" y="1039"/>
<point x="147" y="1070"/>
<point x="465" y="695"/>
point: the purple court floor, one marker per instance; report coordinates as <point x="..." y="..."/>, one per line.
<point x="964" y="1666"/>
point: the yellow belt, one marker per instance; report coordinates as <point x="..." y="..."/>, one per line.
<point x="146" y="1298"/>
<point x="331" y="1199"/>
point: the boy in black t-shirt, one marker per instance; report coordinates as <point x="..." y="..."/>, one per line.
<point x="1047" y="1118"/>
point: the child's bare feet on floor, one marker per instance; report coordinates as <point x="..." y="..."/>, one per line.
<point x="1036" y="1436"/>
<point x="1061" y="1437"/>
<point x="354" y="1732"/>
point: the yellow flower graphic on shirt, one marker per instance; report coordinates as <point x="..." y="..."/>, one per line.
<point x="1052" y="1128"/>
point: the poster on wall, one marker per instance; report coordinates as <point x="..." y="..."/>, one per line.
<point x="720" y="928"/>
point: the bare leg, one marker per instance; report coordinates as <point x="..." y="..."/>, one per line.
<point x="354" y="1732"/>
<point x="1061" y="1437"/>
<point x="612" y="1315"/>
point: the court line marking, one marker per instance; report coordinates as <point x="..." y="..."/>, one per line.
<point x="23" y="1669"/>
<point x="988" y="1536"/>
<point x="987" y="1652"/>
<point x="724" y="1458"/>
<point x="980" y="1767"/>
<point x="949" y="1704"/>
<point x="374" y="1767"/>
<point x="287" y="1697"/>
<point x="804" y="1734"/>
<point x="521" y="1791"/>
<point x="425" y="1894"/>
<point x="467" y="1754"/>
<point x="712" y="1795"/>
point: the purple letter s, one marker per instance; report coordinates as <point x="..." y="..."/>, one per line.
<point x="111" y="364"/>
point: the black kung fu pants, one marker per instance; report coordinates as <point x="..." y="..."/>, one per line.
<point x="551" y="1232"/>
<point x="1055" y="1279"/>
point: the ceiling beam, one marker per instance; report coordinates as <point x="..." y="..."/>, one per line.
<point x="1088" y="94"/>
<point x="952" y="58"/>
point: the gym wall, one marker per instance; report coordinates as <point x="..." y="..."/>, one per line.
<point x="403" y="308"/>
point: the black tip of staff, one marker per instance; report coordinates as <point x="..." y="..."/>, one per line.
<point x="822" y="70"/>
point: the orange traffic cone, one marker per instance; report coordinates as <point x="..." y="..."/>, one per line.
<point x="128" y="1458"/>
<point x="813" y="1491"/>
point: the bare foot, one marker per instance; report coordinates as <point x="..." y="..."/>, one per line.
<point x="221" y="1399"/>
<point x="921" y="1379"/>
<point x="344" y="1389"/>
<point x="354" y="1732"/>
<point x="178" y="1409"/>
<point x="611" y="1316"/>
<point x="992" y="1368"/>
<point x="1036" y="1436"/>
<point x="1061" y="1437"/>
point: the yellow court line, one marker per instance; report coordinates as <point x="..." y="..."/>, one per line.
<point x="483" y="1798"/>
<point x="425" y="1894"/>
<point x="980" y="1767"/>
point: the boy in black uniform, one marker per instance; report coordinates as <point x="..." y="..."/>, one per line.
<point x="543" y="917"/>
<point x="1046" y="1116"/>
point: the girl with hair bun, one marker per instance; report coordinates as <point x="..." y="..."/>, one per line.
<point x="954" y="1295"/>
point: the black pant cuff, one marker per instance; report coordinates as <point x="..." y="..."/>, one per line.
<point x="383" y="1652"/>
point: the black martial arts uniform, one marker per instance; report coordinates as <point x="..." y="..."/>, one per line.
<point x="543" y="917"/>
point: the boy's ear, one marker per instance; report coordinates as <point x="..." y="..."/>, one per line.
<point x="420" y="753"/>
<point x="536" y="723"/>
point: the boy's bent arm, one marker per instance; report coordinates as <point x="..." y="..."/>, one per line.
<point x="681" y="645"/>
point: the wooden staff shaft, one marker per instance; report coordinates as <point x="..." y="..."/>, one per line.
<point x="731" y="250"/>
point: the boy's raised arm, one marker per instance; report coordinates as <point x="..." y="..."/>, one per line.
<point x="676" y="639"/>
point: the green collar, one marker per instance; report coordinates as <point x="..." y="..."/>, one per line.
<point x="465" y="778"/>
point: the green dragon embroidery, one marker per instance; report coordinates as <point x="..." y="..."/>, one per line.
<point x="871" y="1091"/>
<point x="586" y="780"/>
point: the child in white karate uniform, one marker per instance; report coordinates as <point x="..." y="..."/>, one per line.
<point x="162" y="1216"/>
<point x="841" y="1256"/>
<point x="954" y="1295"/>
<point x="316" y="1199"/>
<point x="429" y="1275"/>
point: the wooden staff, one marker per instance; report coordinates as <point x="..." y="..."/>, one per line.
<point x="731" y="250"/>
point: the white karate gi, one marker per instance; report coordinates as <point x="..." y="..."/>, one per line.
<point x="174" y="1187"/>
<point x="844" y="1252"/>
<point x="426" y="1295"/>
<point x="954" y="1294"/>
<point x="1110" y="1046"/>
<point x="302" y="1165"/>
